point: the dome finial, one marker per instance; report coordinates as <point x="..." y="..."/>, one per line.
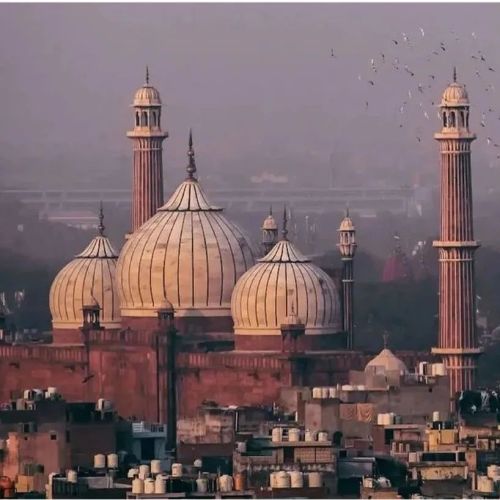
<point x="147" y="75"/>
<point x="271" y="209"/>
<point x="347" y="209"/>
<point x="101" y="227"/>
<point x="284" y="232"/>
<point x="191" y="168"/>
<point x="385" y="336"/>
<point x="454" y="73"/>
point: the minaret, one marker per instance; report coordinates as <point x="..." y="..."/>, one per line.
<point x="347" y="248"/>
<point x="147" y="135"/>
<point x="457" y="344"/>
<point x="269" y="232"/>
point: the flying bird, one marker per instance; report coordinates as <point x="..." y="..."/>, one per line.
<point x="420" y="88"/>
<point x="435" y="52"/>
<point x="371" y="82"/>
<point x="474" y="36"/>
<point x="422" y="31"/>
<point x="395" y="42"/>
<point x="491" y="69"/>
<point x="426" y="115"/>
<point x="433" y="77"/>
<point x="333" y="54"/>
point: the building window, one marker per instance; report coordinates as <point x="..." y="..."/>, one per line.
<point x="53" y="436"/>
<point x="137" y="119"/>
<point x="445" y="121"/>
<point x="452" y="119"/>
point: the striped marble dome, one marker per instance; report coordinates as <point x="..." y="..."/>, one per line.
<point x="282" y="283"/>
<point x="87" y="279"/>
<point x="188" y="253"/>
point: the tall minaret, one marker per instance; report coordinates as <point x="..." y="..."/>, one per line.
<point x="457" y="344"/>
<point x="147" y="135"/>
<point x="347" y="247"/>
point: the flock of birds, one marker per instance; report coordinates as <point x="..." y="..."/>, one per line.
<point x="423" y="88"/>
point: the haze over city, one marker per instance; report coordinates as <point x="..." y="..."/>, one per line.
<point x="257" y="83"/>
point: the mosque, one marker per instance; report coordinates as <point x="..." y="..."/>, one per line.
<point x="189" y="311"/>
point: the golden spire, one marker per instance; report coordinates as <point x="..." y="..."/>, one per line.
<point x="191" y="168"/>
<point x="101" y="227"/>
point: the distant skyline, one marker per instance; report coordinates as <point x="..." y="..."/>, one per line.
<point x="256" y="82"/>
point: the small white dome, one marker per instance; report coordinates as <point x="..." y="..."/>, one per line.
<point x="147" y="95"/>
<point x="263" y="297"/>
<point x="87" y="280"/>
<point x="269" y="223"/>
<point x="386" y="361"/>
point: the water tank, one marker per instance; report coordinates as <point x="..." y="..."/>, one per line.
<point x="272" y="479"/>
<point x="176" y="470"/>
<point x="485" y="484"/>
<point x="202" y="485"/>
<point x="149" y="486"/>
<point x="240" y="482"/>
<point x="137" y="486"/>
<point x="99" y="461"/>
<point x="277" y="435"/>
<point x="155" y="466"/>
<point x="347" y="387"/>
<point x="144" y="471"/>
<point x="296" y="479"/>
<point x="160" y="484"/>
<point x="325" y="393"/>
<point x="361" y="387"/>
<point x="332" y="392"/>
<point x="28" y="394"/>
<point x="439" y="369"/>
<point x="316" y="393"/>
<point x="315" y="480"/>
<point x="492" y="471"/>
<point x="112" y="461"/>
<point x="293" y="434"/>
<point x="282" y="479"/>
<point x="225" y="483"/>
<point x="387" y="419"/>
<point x="198" y="463"/>
<point x="436" y="417"/>
<point x="322" y="436"/>
<point x="132" y="472"/>
<point x="309" y="436"/>
<point x="241" y="447"/>
<point x="72" y="476"/>
<point x="412" y="457"/>
<point x="380" y="419"/>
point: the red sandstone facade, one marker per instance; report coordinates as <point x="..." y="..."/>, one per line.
<point x="458" y="344"/>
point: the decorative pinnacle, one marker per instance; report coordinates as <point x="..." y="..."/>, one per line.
<point x="284" y="232"/>
<point x="147" y="75"/>
<point x="385" y="336"/>
<point x="270" y="210"/>
<point x="454" y="73"/>
<point x="347" y="210"/>
<point x="101" y="227"/>
<point x="191" y="168"/>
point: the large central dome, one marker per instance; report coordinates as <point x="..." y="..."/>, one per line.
<point x="188" y="253"/>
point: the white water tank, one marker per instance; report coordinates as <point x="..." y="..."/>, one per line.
<point x="225" y="483"/>
<point x="144" y="471"/>
<point x="282" y="479"/>
<point x="296" y="479"/>
<point x="347" y="387"/>
<point x="72" y="476"/>
<point x="198" y="463"/>
<point x="485" y="484"/>
<point x="361" y="387"/>
<point x="380" y="419"/>
<point x="160" y="484"/>
<point x="325" y="393"/>
<point x="412" y="457"/>
<point x="440" y="369"/>
<point x="137" y="486"/>
<point x="309" y="436"/>
<point x="272" y="479"/>
<point x="112" y="461"/>
<point x="241" y="447"/>
<point x="149" y="486"/>
<point x="332" y="392"/>
<point x="492" y="471"/>
<point x="99" y="461"/>
<point x="436" y="417"/>
<point x="176" y="470"/>
<point x="293" y="434"/>
<point x="155" y="466"/>
<point x="277" y="435"/>
<point x="315" y="480"/>
<point x="316" y="392"/>
<point x="322" y="436"/>
<point x="202" y="485"/>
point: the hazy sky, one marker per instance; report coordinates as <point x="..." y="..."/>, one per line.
<point x="256" y="82"/>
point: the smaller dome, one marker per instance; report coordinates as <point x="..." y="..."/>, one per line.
<point x="269" y="223"/>
<point x="147" y="95"/>
<point x="386" y="361"/>
<point x="455" y="94"/>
